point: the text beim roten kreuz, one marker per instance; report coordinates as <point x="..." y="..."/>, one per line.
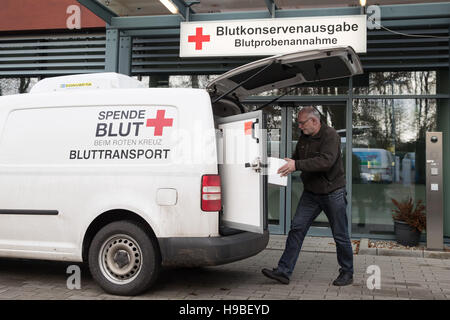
<point x="271" y="36"/>
<point x="127" y="134"/>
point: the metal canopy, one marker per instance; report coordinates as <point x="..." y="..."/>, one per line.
<point x="183" y="8"/>
<point x="130" y="8"/>
<point x="126" y="8"/>
<point x="271" y="6"/>
<point x="149" y="45"/>
<point x="105" y="9"/>
<point x="99" y="9"/>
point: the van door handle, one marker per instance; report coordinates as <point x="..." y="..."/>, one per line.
<point x="253" y="130"/>
<point x="256" y="165"/>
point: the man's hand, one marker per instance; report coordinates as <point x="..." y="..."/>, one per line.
<point x="287" y="168"/>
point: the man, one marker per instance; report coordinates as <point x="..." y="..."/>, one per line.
<point x="318" y="156"/>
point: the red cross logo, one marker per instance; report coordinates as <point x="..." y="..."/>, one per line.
<point x="199" y="38"/>
<point x="160" y="122"/>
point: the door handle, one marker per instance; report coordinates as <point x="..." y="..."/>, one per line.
<point x="253" y="130"/>
<point x="256" y="165"/>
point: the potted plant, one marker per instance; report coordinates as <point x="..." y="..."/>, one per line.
<point x="409" y="221"/>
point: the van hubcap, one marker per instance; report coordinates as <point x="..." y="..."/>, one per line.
<point x="120" y="259"/>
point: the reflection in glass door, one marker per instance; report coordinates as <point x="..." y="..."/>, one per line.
<point x="334" y="115"/>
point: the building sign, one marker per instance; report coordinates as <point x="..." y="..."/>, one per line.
<point x="264" y="37"/>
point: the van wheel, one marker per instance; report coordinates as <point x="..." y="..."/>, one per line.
<point x="123" y="259"/>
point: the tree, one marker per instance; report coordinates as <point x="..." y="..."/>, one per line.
<point x="14" y="85"/>
<point x="24" y="84"/>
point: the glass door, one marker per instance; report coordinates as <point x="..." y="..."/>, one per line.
<point x="334" y="115"/>
<point x="276" y="147"/>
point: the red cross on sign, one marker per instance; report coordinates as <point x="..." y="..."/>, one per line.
<point x="198" y="38"/>
<point x="160" y="122"/>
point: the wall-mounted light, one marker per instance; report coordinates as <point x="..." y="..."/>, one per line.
<point x="363" y="6"/>
<point x="170" y="6"/>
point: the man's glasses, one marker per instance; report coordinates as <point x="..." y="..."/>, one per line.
<point x="302" y="123"/>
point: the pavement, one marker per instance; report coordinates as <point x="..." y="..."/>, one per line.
<point x="377" y="277"/>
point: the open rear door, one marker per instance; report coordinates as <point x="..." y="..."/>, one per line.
<point x="241" y="140"/>
<point x="286" y="70"/>
<point x="242" y="167"/>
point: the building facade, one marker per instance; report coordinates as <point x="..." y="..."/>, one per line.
<point x="382" y="115"/>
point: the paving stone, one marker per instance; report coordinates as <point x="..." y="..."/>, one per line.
<point x="439" y="296"/>
<point x="312" y="297"/>
<point x="401" y="278"/>
<point x="11" y="293"/>
<point x="386" y="298"/>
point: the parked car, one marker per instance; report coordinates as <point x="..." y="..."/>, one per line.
<point x="377" y="165"/>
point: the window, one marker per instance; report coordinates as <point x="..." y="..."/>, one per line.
<point x="398" y="83"/>
<point x="388" y="158"/>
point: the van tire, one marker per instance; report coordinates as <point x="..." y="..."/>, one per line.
<point x="124" y="259"/>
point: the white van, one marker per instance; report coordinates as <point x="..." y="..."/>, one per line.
<point x="377" y="165"/>
<point x="95" y="168"/>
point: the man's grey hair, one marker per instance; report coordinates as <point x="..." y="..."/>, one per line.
<point x="311" y="112"/>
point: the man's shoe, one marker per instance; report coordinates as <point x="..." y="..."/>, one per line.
<point x="276" y="275"/>
<point x="344" y="279"/>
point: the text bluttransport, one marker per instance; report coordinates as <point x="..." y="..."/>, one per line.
<point x="131" y="154"/>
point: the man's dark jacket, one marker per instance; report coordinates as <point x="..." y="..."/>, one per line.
<point x="319" y="159"/>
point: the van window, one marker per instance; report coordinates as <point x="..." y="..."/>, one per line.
<point x="88" y="135"/>
<point x="369" y="158"/>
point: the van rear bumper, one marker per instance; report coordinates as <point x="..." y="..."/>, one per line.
<point x="211" y="251"/>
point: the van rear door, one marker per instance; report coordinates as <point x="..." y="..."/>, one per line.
<point x="241" y="140"/>
<point x="241" y="143"/>
<point x="286" y="70"/>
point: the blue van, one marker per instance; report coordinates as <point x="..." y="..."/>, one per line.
<point x="377" y="165"/>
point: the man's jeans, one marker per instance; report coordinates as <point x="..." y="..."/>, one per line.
<point x="310" y="205"/>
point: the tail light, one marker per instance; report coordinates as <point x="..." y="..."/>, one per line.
<point x="211" y="193"/>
